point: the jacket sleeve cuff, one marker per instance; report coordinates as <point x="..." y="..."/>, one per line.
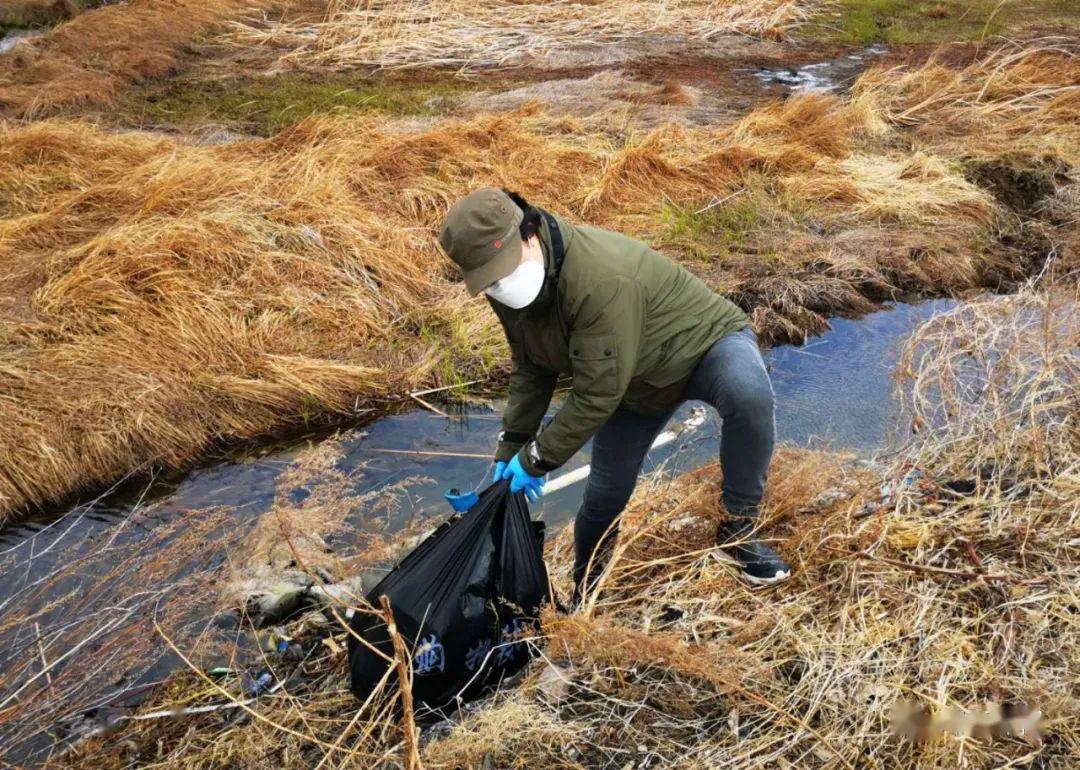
<point x="532" y="462"/>
<point x="509" y="444"/>
<point x="506" y="450"/>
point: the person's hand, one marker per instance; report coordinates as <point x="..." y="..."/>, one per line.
<point x="523" y="481"/>
<point x="500" y="466"/>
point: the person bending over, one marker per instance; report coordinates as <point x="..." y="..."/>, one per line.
<point x="639" y="335"/>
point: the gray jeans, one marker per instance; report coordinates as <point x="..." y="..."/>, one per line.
<point x="731" y="377"/>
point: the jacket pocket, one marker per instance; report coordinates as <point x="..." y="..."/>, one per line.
<point x="595" y="362"/>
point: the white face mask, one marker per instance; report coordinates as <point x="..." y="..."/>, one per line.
<point x="520" y="287"/>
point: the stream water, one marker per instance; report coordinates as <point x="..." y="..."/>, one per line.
<point x="821" y="77"/>
<point x="835" y="391"/>
<point x="8" y="40"/>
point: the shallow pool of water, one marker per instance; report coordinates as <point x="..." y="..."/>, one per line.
<point x="833" y="392"/>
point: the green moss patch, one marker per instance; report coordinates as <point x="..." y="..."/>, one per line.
<point x="716" y="232"/>
<point x="897" y="22"/>
<point x="266" y="106"/>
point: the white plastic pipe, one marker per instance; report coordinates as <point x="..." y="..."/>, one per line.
<point x="693" y="422"/>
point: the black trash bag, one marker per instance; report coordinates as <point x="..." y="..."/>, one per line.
<point x="460" y="600"/>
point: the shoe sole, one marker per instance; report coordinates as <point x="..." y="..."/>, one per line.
<point x="757" y="582"/>
<point x="761" y="582"/>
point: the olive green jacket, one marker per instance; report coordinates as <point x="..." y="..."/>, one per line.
<point x="628" y="325"/>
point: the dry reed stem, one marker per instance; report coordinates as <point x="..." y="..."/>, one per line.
<point x="404" y="673"/>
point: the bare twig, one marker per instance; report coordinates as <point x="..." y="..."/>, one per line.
<point x="401" y="664"/>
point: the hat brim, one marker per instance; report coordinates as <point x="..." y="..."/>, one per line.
<point x="504" y="261"/>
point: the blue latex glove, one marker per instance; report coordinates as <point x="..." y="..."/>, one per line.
<point x="522" y="481"/>
<point x="500" y="466"/>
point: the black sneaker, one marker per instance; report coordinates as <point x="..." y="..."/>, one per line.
<point x="760" y="564"/>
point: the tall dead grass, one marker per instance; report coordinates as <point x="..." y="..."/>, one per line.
<point x="88" y="59"/>
<point x="1025" y="97"/>
<point x="993" y="390"/>
<point x="169" y="296"/>
<point x="161" y="297"/>
<point x="396" y="34"/>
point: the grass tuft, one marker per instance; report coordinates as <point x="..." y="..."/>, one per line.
<point x="90" y="59"/>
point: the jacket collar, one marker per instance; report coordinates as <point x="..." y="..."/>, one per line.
<point x="551" y="278"/>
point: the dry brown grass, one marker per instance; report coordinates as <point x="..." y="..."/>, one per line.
<point x="180" y="303"/>
<point x="87" y="60"/>
<point x="33" y="13"/>
<point x="503" y="33"/>
<point x="161" y="297"/>
<point x="186" y="295"/>
<point x="994" y="391"/>
<point x="1025" y="97"/>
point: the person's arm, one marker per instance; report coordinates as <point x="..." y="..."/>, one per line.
<point x="530" y="389"/>
<point x="604" y="345"/>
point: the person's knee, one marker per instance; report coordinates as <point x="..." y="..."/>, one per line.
<point x="754" y="402"/>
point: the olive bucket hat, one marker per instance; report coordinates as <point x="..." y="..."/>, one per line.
<point x="481" y="235"/>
